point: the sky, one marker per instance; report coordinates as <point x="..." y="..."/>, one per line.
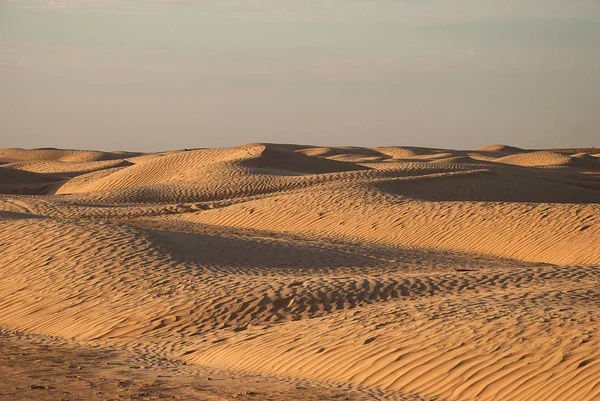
<point x="166" y="74"/>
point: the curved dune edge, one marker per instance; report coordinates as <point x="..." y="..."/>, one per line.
<point x="528" y="232"/>
<point x="500" y="149"/>
<point x="402" y="272"/>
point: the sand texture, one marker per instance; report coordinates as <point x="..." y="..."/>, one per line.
<point x="300" y="272"/>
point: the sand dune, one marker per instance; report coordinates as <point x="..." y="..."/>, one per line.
<point x="536" y="159"/>
<point x="66" y="168"/>
<point x="500" y="149"/>
<point x="394" y="272"/>
<point x="51" y="154"/>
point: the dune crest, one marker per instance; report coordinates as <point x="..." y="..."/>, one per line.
<point x="500" y="149"/>
<point x="399" y="272"/>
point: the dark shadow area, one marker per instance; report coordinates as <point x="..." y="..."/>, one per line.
<point x="241" y="253"/>
<point x="13" y="181"/>
<point x="490" y="187"/>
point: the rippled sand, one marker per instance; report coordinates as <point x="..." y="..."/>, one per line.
<point x="386" y="273"/>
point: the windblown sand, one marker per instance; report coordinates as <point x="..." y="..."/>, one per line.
<point x="387" y="273"/>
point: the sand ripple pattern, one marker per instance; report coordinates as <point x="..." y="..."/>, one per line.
<point x="401" y="272"/>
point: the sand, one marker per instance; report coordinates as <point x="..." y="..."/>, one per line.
<point x="46" y="368"/>
<point x="301" y="272"/>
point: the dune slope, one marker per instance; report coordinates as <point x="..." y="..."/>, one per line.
<point x="399" y="272"/>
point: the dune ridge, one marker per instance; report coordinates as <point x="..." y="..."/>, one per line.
<point x="399" y="272"/>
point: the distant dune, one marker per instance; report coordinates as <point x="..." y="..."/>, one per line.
<point x="395" y="272"/>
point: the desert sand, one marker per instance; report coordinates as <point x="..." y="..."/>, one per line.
<point x="300" y="272"/>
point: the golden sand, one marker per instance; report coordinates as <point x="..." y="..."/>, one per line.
<point x="394" y="272"/>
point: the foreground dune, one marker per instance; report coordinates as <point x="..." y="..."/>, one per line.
<point x="393" y="272"/>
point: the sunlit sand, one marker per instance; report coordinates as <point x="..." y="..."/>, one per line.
<point x="303" y="272"/>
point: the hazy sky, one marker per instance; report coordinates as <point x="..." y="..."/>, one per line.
<point x="159" y="74"/>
